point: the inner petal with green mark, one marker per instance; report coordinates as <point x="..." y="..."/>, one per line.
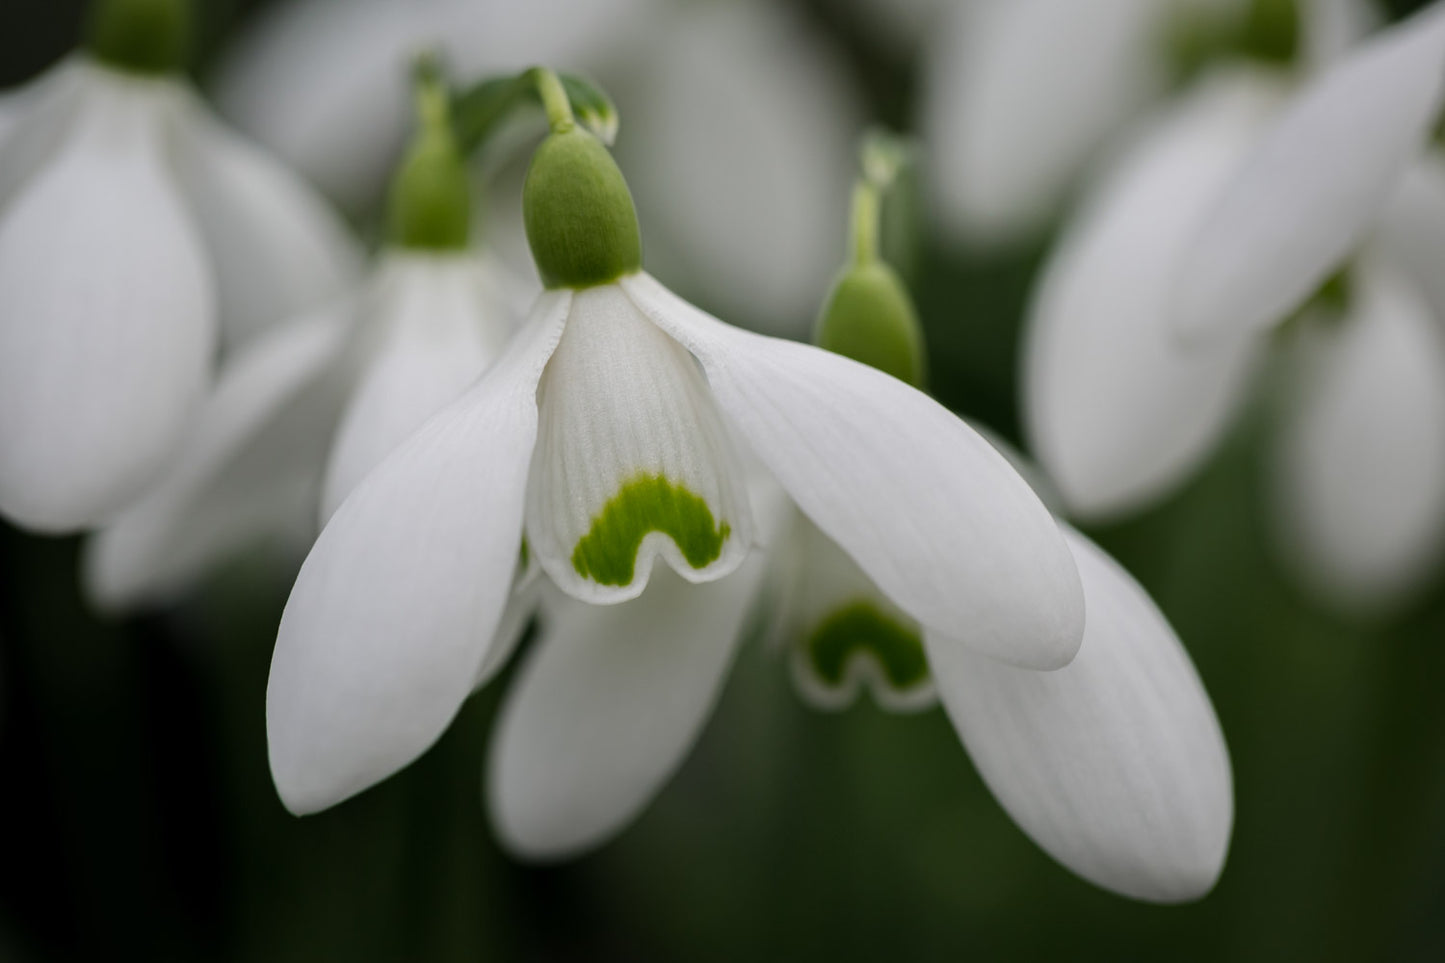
<point x="859" y="643"/>
<point x="645" y="504"/>
<point x="632" y="461"/>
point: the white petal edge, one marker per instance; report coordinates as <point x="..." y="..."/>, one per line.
<point x="606" y="707"/>
<point x="276" y="246"/>
<point x="1020" y="95"/>
<point x="35" y="119"/>
<point x="107" y="323"/>
<point x="1115" y="765"/>
<point x="1411" y="233"/>
<point x="434" y="327"/>
<point x="1314" y="185"/>
<point x="1359" y="478"/>
<point x="249" y="470"/>
<point x="1116" y="412"/>
<point x="927" y="508"/>
<point x="397" y="605"/>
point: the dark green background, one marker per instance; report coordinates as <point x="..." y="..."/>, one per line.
<point x="138" y="821"/>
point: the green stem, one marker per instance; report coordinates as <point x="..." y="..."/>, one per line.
<point x="865" y="223"/>
<point x="554" y="99"/>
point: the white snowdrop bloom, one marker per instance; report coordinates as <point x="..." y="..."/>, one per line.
<point x="1115" y="411"/>
<point x="1115" y="764"/>
<point x="1021" y="95"/>
<point x="1121" y="410"/>
<point x="131" y="225"/>
<point x="1314" y="187"/>
<point x="306" y="410"/>
<point x="614" y="432"/>
<point x="1359" y="473"/>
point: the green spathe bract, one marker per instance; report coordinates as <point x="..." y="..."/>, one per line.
<point x="869" y="317"/>
<point x="141" y="36"/>
<point x="862" y="627"/>
<point x="430" y="205"/>
<point x="645" y="503"/>
<point x="581" y="223"/>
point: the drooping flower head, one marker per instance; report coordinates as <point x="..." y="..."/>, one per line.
<point x="300" y="415"/>
<point x="136" y="233"/>
<point x="616" y="431"/>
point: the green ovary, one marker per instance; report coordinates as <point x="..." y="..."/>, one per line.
<point x="861" y="626"/>
<point x="607" y="554"/>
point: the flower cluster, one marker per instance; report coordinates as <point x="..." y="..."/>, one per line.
<point x="193" y="359"/>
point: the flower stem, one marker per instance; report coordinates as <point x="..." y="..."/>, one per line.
<point x="554" y="99"/>
<point x="865" y="223"/>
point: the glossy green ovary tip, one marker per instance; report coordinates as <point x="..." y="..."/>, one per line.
<point x="861" y="626"/>
<point x="607" y="554"/>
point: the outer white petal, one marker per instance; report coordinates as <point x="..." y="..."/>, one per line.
<point x="925" y="506"/>
<point x="1019" y="96"/>
<point x="1411" y="233"/>
<point x="1333" y="27"/>
<point x="1117" y="413"/>
<point x="621" y="401"/>
<point x="395" y="608"/>
<point x="106" y="316"/>
<point x="1115" y="764"/>
<point x="35" y="119"/>
<point x="436" y="324"/>
<point x="250" y="468"/>
<point x="277" y="248"/>
<point x="607" y="706"/>
<point x="739" y="145"/>
<point x="1314" y="184"/>
<point x="1361" y="470"/>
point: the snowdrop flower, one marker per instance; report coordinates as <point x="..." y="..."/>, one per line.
<point x="131" y="223"/>
<point x="1217" y="224"/>
<point x="741" y="95"/>
<point x="306" y="410"/>
<point x="1114" y="764"/>
<point x="1021" y="95"/>
<point x="613" y="433"/>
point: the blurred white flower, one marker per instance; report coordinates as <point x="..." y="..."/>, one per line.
<point x="608" y="433"/>
<point x="1021" y="95"/>
<point x="739" y="95"/>
<point x="300" y="415"/>
<point x="1224" y="227"/>
<point x="131" y="225"/>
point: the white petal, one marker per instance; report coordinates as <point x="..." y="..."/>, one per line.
<point x="1361" y="470"/>
<point x="250" y="468"/>
<point x="1411" y="233"/>
<point x="106" y="316"/>
<point x="1020" y="94"/>
<point x="606" y="707"/>
<point x="436" y="324"/>
<point x="277" y="248"/>
<point x="742" y="98"/>
<point x="1115" y="764"/>
<point x="1314" y="184"/>
<point x="395" y="608"/>
<point x="630" y="439"/>
<point x="1117" y="413"/>
<point x="36" y="119"/>
<point x="925" y="506"/>
<point x="844" y="635"/>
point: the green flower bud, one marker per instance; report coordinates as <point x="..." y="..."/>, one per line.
<point x="430" y="206"/>
<point x="869" y="317"/>
<point x="141" y="36"/>
<point x="580" y="221"/>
